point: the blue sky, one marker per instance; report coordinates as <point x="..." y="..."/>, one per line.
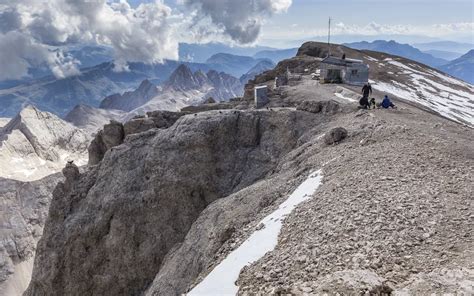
<point x="433" y="19"/>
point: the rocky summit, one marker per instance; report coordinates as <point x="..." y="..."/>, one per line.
<point x="169" y="196"/>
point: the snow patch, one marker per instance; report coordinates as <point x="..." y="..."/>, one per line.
<point x="441" y="102"/>
<point x="339" y="95"/>
<point x="221" y="280"/>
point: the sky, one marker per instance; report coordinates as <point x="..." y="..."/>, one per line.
<point x="429" y="19"/>
<point x="38" y="32"/>
<point x="448" y="19"/>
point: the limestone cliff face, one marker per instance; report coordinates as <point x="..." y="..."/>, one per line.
<point x="23" y="212"/>
<point x="110" y="228"/>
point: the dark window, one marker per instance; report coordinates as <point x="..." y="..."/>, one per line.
<point x="354" y="72"/>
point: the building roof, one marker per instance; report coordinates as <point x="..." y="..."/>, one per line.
<point x="340" y="62"/>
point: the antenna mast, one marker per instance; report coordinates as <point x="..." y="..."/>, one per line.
<point x="329" y="38"/>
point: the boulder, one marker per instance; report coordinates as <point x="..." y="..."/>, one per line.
<point x="335" y="135"/>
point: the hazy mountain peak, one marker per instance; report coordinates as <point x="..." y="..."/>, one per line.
<point x="43" y="141"/>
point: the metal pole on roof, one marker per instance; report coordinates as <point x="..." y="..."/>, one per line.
<point x="329" y="38"/>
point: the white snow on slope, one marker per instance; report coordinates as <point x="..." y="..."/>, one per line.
<point x="341" y="96"/>
<point x="346" y="94"/>
<point x="451" y="98"/>
<point x="221" y="280"/>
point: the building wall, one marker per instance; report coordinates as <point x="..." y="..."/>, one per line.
<point x="359" y="78"/>
<point x="347" y="75"/>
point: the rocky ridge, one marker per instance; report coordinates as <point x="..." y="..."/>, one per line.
<point x="163" y="206"/>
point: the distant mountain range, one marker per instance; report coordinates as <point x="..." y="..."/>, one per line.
<point x="259" y="68"/>
<point x="445" y="55"/>
<point x="462" y="67"/>
<point x="184" y="87"/>
<point x="232" y="64"/>
<point x="200" y="53"/>
<point x="94" y="83"/>
<point x="59" y="96"/>
<point x="446" y="46"/>
<point x="403" y="50"/>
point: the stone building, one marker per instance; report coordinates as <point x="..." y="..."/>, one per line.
<point x="339" y="70"/>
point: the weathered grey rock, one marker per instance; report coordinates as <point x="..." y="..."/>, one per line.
<point x="138" y="125"/>
<point x="335" y="135"/>
<point x="23" y="212"/>
<point x="328" y="107"/>
<point x="164" y="119"/>
<point x="353" y="282"/>
<point x="208" y="107"/>
<point x="110" y="136"/>
<point x="113" y="134"/>
<point x="109" y="233"/>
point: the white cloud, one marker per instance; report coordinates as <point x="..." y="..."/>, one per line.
<point x="33" y="31"/>
<point x="240" y="20"/>
<point x="30" y="28"/>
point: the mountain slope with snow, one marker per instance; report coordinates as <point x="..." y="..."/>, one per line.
<point x="449" y="97"/>
<point x="35" y="144"/>
<point x="408" y="80"/>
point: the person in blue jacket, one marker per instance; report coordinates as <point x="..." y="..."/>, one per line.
<point x="386" y="103"/>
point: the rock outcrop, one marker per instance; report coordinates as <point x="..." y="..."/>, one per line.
<point x="114" y="133"/>
<point x="125" y="221"/>
<point x="335" y="135"/>
<point x="23" y="212"/>
<point x="110" y="136"/>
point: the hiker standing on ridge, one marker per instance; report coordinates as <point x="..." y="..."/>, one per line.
<point x="367" y="90"/>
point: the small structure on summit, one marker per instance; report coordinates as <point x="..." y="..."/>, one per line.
<point x="261" y="97"/>
<point x="287" y="78"/>
<point x="344" y="70"/>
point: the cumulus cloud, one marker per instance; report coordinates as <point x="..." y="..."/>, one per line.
<point x="240" y="20"/>
<point x="31" y="29"/>
<point x="34" y="31"/>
